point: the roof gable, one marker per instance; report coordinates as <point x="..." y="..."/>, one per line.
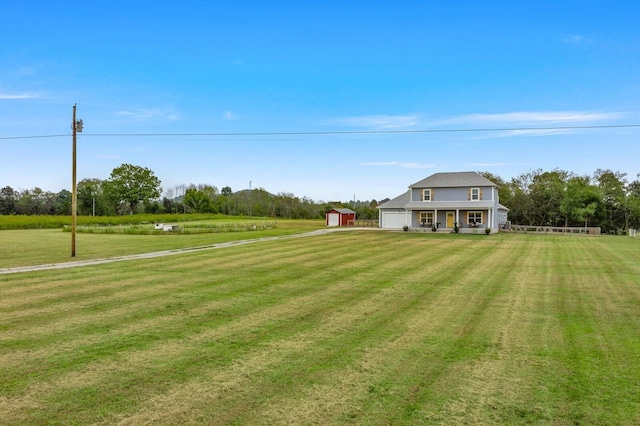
<point x="453" y="179"/>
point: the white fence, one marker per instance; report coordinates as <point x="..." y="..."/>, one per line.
<point x="556" y="230"/>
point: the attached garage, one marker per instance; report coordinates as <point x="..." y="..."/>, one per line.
<point x="393" y="220"/>
<point x="340" y="217"/>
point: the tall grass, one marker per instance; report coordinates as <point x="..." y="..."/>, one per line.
<point x="197" y="227"/>
<point x="58" y="222"/>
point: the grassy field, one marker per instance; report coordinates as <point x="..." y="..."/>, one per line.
<point x="43" y="246"/>
<point x="345" y="328"/>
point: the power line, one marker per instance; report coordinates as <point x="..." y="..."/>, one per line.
<point x="35" y="137"/>
<point x="334" y="132"/>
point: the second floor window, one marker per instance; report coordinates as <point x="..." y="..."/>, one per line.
<point x="426" y="195"/>
<point x="475" y="194"/>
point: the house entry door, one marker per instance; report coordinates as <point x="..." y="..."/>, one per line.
<point x="451" y="217"/>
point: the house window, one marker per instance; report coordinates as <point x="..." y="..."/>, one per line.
<point x="474" y="218"/>
<point x="426" y="218"/>
<point x="426" y="195"/>
<point x="475" y="194"/>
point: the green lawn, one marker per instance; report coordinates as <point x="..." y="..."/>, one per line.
<point x="359" y="327"/>
<point x="44" y="246"/>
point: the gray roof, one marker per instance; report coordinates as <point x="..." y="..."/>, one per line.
<point x="344" y="211"/>
<point x="453" y="179"/>
<point x="396" y="203"/>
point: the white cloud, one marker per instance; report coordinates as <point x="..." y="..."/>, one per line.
<point x="228" y="116"/>
<point x="536" y="117"/>
<point x="530" y="123"/>
<point x="381" y="122"/>
<point x="572" y="38"/>
<point x="151" y="114"/>
<point x="524" y="133"/>
<point x="400" y="164"/>
<point x="536" y="132"/>
<point x="19" y="96"/>
<point x="515" y="119"/>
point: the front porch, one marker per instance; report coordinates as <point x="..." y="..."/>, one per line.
<point x="444" y="221"/>
<point x="445" y="230"/>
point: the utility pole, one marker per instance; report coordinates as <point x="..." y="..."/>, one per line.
<point x="76" y="126"/>
<point x="250" y="205"/>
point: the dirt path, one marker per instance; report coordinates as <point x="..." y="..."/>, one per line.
<point x="74" y="264"/>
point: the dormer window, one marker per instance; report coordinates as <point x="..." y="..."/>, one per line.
<point x="426" y="195"/>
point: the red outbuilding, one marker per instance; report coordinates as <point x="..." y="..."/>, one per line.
<point x="340" y="217"/>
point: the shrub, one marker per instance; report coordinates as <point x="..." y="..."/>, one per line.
<point x="405" y="228"/>
<point x="487" y="231"/>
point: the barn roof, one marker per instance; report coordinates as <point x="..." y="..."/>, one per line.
<point x="343" y="211"/>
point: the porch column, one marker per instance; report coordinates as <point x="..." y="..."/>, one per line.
<point x="458" y="217"/>
<point x="435" y="217"/>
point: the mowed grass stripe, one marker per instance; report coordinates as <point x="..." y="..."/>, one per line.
<point x="601" y="351"/>
<point x="252" y="324"/>
<point x="118" y="282"/>
<point x="115" y="286"/>
<point x="337" y="342"/>
<point x="168" y="298"/>
<point x="485" y="390"/>
<point x="49" y="285"/>
<point x="408" y="390"/>
<point x="406" y="329"/>
<point x="88" y="355"/>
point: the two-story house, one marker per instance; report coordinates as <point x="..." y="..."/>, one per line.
<point x="467" y="199"/>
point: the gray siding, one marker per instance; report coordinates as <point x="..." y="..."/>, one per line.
<point x="450" y="194"/>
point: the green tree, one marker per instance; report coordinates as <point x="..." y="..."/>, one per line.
<point x="581" y="202"/>
<point x="612" y="185"/>
<point x="63" y="203"/>
<point x="92" y="199"/>
<point x="31" y="202"/>
<point x="633" y="201"/>
<point x="547" y="192"/>
<point x="504" y="189"/>
<point x="522" y="209"/>
<point x="131" y="185"/>
<point x="197" y="201"/>
<point x="8" y="197"/>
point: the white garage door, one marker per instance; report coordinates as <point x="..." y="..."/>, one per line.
<point x="393" y="220"/>
<point x="334" y="219"/>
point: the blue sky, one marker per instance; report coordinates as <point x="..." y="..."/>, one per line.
<point x="232" y="68"/>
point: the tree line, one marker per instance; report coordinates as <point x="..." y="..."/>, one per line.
<point x="133" y="189"/>
<point x="607" y="199"/>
